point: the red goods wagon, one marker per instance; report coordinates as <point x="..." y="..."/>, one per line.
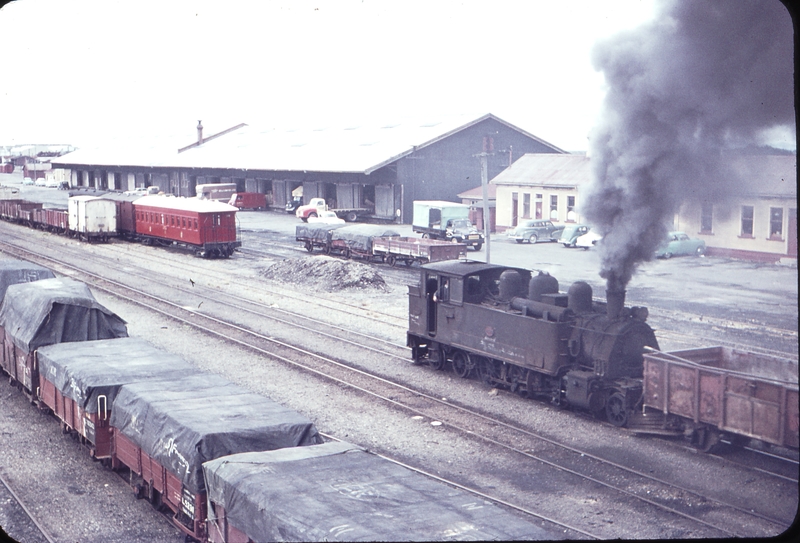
<point x="56" y="220"/>
<point x="163" y="431"/>
<point x="715" y="391"/>
<point x="45" y="312"/>
<point x="207" y="226"/>
<point x="79" y="381"/>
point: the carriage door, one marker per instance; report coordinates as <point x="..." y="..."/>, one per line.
<point x="431" y="286"/>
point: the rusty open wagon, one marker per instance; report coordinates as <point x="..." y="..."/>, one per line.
<point x="717" y="391"/>
<point x="409" y="250"/>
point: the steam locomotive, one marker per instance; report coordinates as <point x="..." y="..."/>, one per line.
<point x="516" y="330"/>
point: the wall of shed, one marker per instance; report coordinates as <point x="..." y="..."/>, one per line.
<point x="444" y="169"/>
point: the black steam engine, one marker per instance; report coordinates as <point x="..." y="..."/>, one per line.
<point x="516" y="330"/>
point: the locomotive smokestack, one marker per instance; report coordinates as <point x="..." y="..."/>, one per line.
<point x="199" y="132"/>
<point x="615" y="302"/>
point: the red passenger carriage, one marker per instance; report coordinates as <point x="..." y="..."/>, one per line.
<point x="207" y="226"/>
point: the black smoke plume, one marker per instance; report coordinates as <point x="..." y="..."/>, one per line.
<point x="704" y="77"/>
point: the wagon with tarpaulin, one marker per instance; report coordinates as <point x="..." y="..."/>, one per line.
<point x="163" y="431"/>
<point x="356" y="241"/>
<point x="79" y="381"/>
<point x="315" y="236"/>
<point x="45" y="312"/>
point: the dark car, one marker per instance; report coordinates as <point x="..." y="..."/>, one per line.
<point x="535" y="230"/>
<point x="571" y="233"/>
<point x="678" y="243"/>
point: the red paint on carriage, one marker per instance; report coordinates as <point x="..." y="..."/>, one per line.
<point x="208" y="226"/>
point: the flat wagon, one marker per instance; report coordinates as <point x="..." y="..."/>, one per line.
<point x="717" y="391"/>
<point x="339" y="492"/>
<point x="409" y="250"/>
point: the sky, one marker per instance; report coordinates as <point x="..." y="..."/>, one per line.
<point x="87" y="72"/>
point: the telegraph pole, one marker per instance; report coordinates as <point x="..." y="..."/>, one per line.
<point x="488" y="149"/>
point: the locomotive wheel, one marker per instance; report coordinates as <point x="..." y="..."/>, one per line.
<point x="487" y="370"/>
<point x="616" y="410"/>
<point x="309" y="246"/>
<point x="462" y="364"/>
<point x="439" y="361"/>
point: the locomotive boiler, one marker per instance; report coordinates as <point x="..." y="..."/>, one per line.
<point x="517" y="330"/>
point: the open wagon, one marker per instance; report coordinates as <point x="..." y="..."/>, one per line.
<point x="409" y="250"/>
<point x="716" y="391"/>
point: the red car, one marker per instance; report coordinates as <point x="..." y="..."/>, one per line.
<point x="207" y="226"/>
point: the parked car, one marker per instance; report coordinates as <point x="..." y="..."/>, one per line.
<point x="588" y="240"/>
<point x="678" y="243"/>
<point x="40" y="182"/>
<point x="326" y="217"/>
<point x="27" y="181"/>
<point x="52" y="183"/>
<point x="571" y="233"/>
<point x="535" y="230"/>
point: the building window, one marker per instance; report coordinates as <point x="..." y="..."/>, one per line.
<point x="554" y="207"/>
<point x="526" y="206"/>
<point x="775" y="222"/>
<point x="571" y="216"/>
<point x="538" y="206"/>
<point x="706" y="218"/>
<point x="747" y="221"/>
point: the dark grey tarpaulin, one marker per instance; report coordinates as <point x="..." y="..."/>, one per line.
<point x="338" y="492"/>
<point x="13" y="272"/>
<point x="56" y="311"/>
<point x="186" y="422"/>
<point x="315" y="232"/>
<point x="84" y="370"/>
<point x="359" y="236"/>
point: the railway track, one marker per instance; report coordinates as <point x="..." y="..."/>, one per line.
<point x="574" y="462"/>
<point x="26" y="526"/>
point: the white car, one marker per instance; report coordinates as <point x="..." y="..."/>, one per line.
<point x="326" y="217"/>
<point x="27" y="181"/>
<point x="40" y="182"/>
<point x="52" y="183"/>
<point x="588" y="240"/>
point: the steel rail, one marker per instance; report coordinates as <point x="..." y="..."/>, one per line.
<point x="26" y="510"/>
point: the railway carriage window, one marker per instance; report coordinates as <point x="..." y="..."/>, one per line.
<point x="183" y="220"/>
<point x="195" y="224"/>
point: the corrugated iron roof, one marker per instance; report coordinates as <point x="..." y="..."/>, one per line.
<point x="764" y="174"/>
<point x="550" y="169"/>
<point x="355" y="149"/>
<point x="477" y="192"/>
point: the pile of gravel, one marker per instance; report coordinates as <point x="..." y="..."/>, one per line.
<point x="326" y="273"/>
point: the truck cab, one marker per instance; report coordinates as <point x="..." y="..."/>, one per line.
<point x="312" y="209"/>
